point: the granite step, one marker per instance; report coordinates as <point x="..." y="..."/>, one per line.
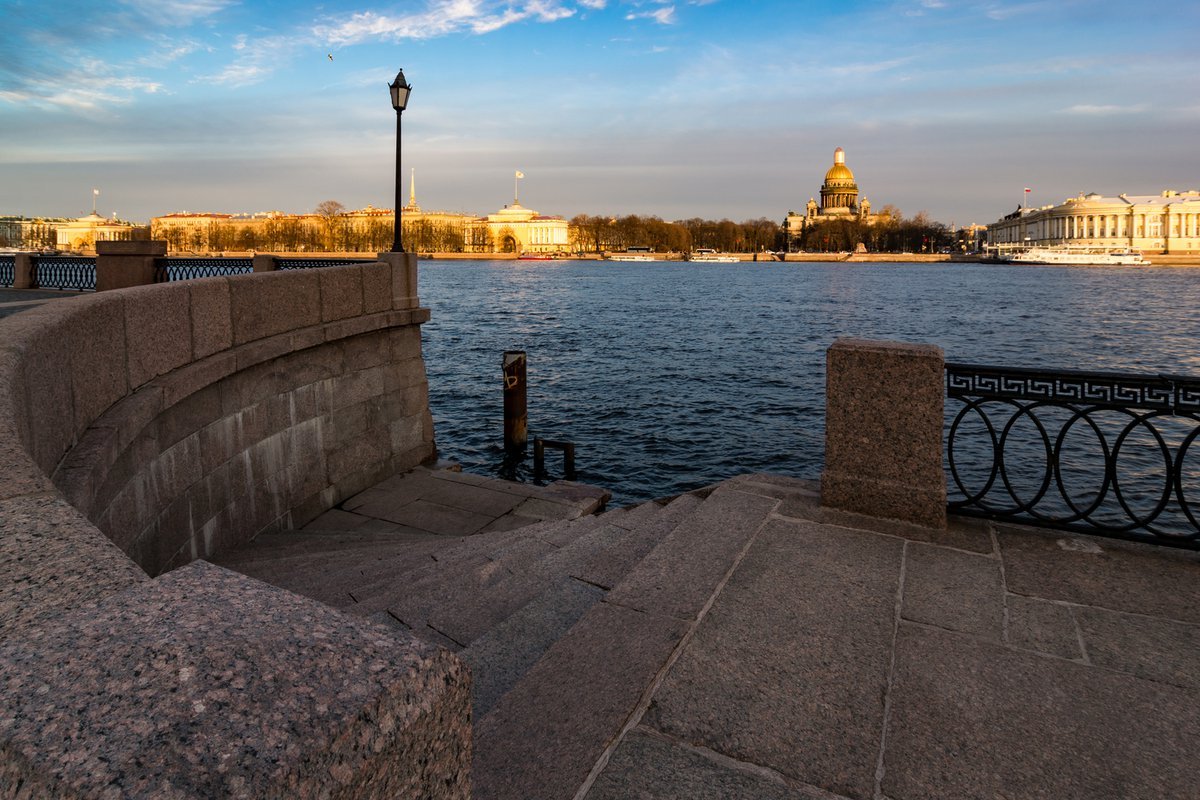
<point x="542" y="738"/>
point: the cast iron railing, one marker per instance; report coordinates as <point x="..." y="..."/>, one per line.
<point x="183" y="269"/>
<point x="8" y="269"/>
<point x="1102" y="453"/>
<point x="77" y="273"/>
<point x="315" y="263"/>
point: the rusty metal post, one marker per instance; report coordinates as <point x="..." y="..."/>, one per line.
<point x="515" y="411"/>
<point x="539" y="457"/>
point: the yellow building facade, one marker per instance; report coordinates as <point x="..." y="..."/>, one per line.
<point x="1164" y="223"/>
<point x="516" y="229"/>
<point x="839" y="200"/>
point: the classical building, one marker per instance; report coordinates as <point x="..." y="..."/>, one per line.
<point x="839" y="201"/>
<point x="516" y="229"/>
<point x="1164" y="223"/>
<point x="82" y="233"/>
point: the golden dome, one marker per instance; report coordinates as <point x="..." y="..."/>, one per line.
<point x="839" y="171"/>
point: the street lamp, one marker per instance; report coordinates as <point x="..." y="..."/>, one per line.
<point x="400" y="90"/>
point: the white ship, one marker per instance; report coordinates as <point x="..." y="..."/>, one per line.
<point x="711" y="256"/>
<point x="630" y="257"/>
<point x="1090" y="256"/>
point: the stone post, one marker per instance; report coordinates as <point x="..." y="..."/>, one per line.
<point x="883" y="430"/>
<point x="404" y="278"/>
<point x="265" y="263"/>
<point x="120" y="265"/>
<point x="23" y="271"/>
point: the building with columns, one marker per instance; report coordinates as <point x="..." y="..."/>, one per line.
<point x="1164" y="223"/>
<point x="516" y="229"/>
<point x="839" y="201"/>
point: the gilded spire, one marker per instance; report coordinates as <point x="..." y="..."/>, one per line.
<point x="412" y="189"/>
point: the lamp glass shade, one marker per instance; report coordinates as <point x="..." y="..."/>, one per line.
<point x="400" y="90"/>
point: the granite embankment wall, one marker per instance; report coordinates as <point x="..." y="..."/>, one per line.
<point x="144" y="428"/>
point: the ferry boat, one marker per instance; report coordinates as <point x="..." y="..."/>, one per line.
<point x="535" y="257"/>
<point x="630" y="257"/>
<point x="710" y="256"/>
<point x="1083" y="256"/>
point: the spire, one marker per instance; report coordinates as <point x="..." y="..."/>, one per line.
<point x="839" y="156"/>
<point x="412" y="189"/>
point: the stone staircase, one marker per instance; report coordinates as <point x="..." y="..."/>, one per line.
<point x="566" y="624"/>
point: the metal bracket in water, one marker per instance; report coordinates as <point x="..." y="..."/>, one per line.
<point x="539" y="456"/>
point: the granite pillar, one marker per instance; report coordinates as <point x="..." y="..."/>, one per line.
<point x="883" y="430"/>
<point x="120" y="265"/>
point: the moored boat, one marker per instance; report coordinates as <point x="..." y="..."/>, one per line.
<point x="1080" y="256"/>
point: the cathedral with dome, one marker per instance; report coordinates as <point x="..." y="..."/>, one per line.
<point x="839" y="201"/>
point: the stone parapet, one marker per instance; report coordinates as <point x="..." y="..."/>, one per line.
<point x="120" y="265"/>
<point x="143" y="428"/>
<point x="883" y="430"/>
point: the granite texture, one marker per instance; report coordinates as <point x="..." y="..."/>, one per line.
<point x="648" y="766"/>
<point x="52" y="560"/>
<point x="158" y="322"/>
<point x="975" y="720"/>
<point x="789" y="668"/>
<point x="954" y="590"/>
<point x="883" y="430"/>
<point x="204" y="683"/>
<point x="268" y="303"/>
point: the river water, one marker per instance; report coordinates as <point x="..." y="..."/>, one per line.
<point x="669" y="376"/>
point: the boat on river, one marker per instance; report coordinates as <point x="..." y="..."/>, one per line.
<point x="1082" y="256"/>
<point x="630" y="257"/>
<point x="710" y="256"/>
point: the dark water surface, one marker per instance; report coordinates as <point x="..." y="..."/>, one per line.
<point x="670" y="376"/>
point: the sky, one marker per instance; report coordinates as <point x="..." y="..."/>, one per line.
<point x="676" y="108"/>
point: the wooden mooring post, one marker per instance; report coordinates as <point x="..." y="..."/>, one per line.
<point x="515" y="409"/>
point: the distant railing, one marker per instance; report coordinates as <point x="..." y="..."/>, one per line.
<point x="76" y="273"/>
<point x="1102" y="453"/>
<point x="316" y="263"/>
<point x="8" y="270"/>
<point x="183" y="269"/>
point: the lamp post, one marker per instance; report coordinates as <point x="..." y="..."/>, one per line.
<point x="400" y="90"/>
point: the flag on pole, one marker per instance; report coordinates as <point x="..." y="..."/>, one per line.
<point x="520" y="174"/>
<point x="1028" y="190"/>
<point x="96" y="192"/>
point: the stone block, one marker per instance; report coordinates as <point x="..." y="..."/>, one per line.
<point x="679" y="576"/>
<point x="269" y="303"/>
<point x="1088" y="570"/>
<point x="953" y="590"/>
<point x="1042" y="626"/>
<point x="212" y="325"/>
<point x="883" y="430"/>
<point x="95" y="332"/>
<point x="120" y="265"/>
<point x="263" y="351"/>
<point x="189" y="415"/>
<point x="193" y="377"/>
<point x="52" y="560"/>
<point x="367" y="350"/>
<point x="789" y="668"/>
<point x="242" y="690"/>
<point x="355" y="326"/>
<point x="404" y="278"/>
<point x="648" y="765"/>
<point x="585" y="688"/>
<point x="341" y="292"/>
<point x="357" y="387"/>
<point x="377" y="287"/>
<point x="1161" y="650"/>
<point x="158" y="330"/>
<point x="972" y="719"/>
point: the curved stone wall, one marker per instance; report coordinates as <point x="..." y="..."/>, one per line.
<point x="144" y="428"/>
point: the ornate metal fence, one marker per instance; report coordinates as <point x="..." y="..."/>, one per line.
<point x="182" y="269"/>
<point x="77" y="273"/>
<point x="1102" y="453"/>
<point x="8" y="267"/>
<point x="315" y="263"/>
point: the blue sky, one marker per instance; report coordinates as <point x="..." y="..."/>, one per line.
<point x="708" y="108"/>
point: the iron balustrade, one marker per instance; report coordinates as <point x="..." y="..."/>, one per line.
<point x="1096" y="452"/>
<point x="8" y="270"/>
<point x="183" y="269"/>
<point x="76" y="273"/>
<point x="317" y="263"/>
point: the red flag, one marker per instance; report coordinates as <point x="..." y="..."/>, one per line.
<point x="1028" y="190"/>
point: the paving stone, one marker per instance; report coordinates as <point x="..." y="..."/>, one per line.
<point x="648" y="767"/>
<point x="476" y="499"/>
<point x="954" y="590"/>
<point x="542" y="508"/>
<point x="1092" y="571"/>
<point x="508" y="522"/>
<point x="1042" y="626"/>
<point x="583" y="689"/>
<point x="971" y="719"/>
<point x="789" y="667"/>
<point x="336" y="519"/>
<point x="437" y="518"/>
<point x="500" y="657"/>
<point x="567" y="531"/>
<point x="608" y="567"/>
<point x="679" y="576"/>
<point x="396" y="491"/>
<point x="1158" y="649"/>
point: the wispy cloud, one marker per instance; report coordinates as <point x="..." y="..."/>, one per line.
<point x="176" y="13"/>
<point x="92" y="88"/>
<point x="442" y="18"/>
<point x="664" y="15"/>
<point x="1104" y="110"/>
